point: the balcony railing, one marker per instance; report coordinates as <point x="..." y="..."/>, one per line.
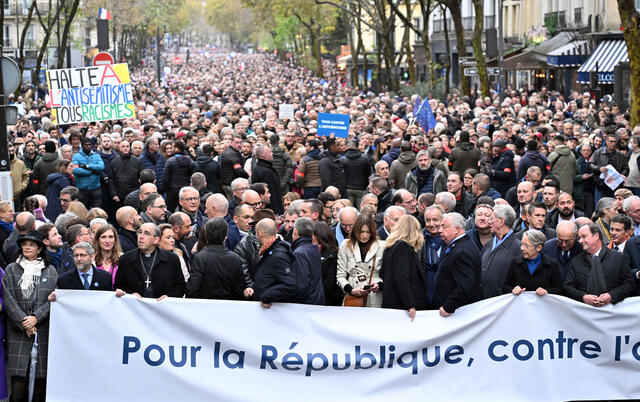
<point x="555" y="20"/>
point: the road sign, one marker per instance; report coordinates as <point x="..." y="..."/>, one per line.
<point x="102" y="58"/>
<point x="10" y="75"/>
<point x="470" y="71"/>
<point x="493" y="70"/>
<point x="468" y="61"/>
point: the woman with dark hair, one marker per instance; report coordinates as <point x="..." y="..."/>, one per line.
<point x="55" y="183"/>
<point x="359" y="262"/>
<point x="325" y="239"/>
<point x="168" y="243"/>
<point x="467" y="179"/>
<point x="26" y="287"/>
<point x="216" y="273"/>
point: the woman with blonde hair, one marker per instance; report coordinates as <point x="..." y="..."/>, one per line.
<point x="78" y="209"/>
<point x="402" y="275"/>
<point x="359" y="263"/>
<point x="108" y="250"/>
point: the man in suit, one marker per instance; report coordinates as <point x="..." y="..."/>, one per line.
<point x="563" y="247"/>
<point x="499" y="252"/>
<point x="458" y="281"/>
<point x="391" y="216"/>
<point x="85" y="276"/>
<point x="598" y="276"/>
<point x="148" y="271"/>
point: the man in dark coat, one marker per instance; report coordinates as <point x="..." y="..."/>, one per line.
<point x="216" y="273"/>
<point x="263" y="172"/>
<point x="232" y="164"/>
<point x="152" y="159"/>
<point x="566" y="211"/>
<point x="502" y="172"/>
<point x="86" y="276"/>
<point x="149" y="271"/>
<point x="45" y="166"/>
<point x="275" y="280"/>
<point x="458" y="281"/>
<point x="177" y="174"/>
<point x="357" y="170"/>
<point x="332" y="169"/>
<point x="532" y="157"/>
<point x="465" y="155"/>
<point x="464" y="200"/>
<point x="632" y="252"/>
<point x="563" y="247"/>
<point x="598" y="276"/>
<point x="125" y="173"/>
<point x="129" y="222"/>
<point x="307" y="264"/>
<point x="210" y="168"/>
<point x="499" y="253"/>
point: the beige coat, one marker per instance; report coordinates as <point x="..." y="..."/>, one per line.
<point x="355" y="272"/>
<point x="19" y="176"/>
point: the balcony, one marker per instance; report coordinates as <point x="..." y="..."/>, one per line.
<point x="555" y="20"/>
<point x="467" y="23"/>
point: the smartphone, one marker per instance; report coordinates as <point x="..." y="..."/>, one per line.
<point x="366" y="287"/>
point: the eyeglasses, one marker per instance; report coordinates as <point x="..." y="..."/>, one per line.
<point x="191" y="199"/>
<point x="254" y="204"/>
<point x="163" y="206"/>
<point x="67" y="200"/>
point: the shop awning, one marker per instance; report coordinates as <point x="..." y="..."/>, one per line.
<point x="536" y="57"/>
<point x="572" y="54"/>
<point x="603" y="61"/>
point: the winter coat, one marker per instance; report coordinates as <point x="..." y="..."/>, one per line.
<point x="247" y="250"/>
<point x="392" y="155"/>
<point x="263" y="172"/>
<point x="128" y="240"/>
<point x="211" y="170"/>
<point x="232" y="165"/>
<point x="17" y="308"/>
<point x="178" y="171"/>
<point x="400" y="167"/>
<point x="353" y="272"/>
<point x="166" y="275"/>
<point x="412" y="181"/>
<point x="357" y="170"/>
<point x="502" y="172"/>
<point x="403" y="278"/>
<point x="307" y="265"/>
<point x="580" y="185"/>
<point x="275" y="279"/>
<point x="532" y="158"/>
<point x="563" y="166"/>
<point x="216" y="273"/>
<point x="125" y="177"/>
<point x="283" y="164"/>
<point x="464" y="156"/>
<point x="308" y="171"/>
<point x="546" y="276"/>
<point x="600" y="158"/>
<point x="332" y="172"/>
<point x="43" y="168"/>
<point x="332" y="292"/>
<point x="19" y="178"/>
<point x="88" y="178"/>
<point x="496" y="263"/>
<point x="154" y="161"/>
<point x="55" y="183"/>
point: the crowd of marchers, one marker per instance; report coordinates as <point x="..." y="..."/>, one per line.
<point x="208" y="193"/>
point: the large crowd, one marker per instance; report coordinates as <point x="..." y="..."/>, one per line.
<point x="208" y="193"/>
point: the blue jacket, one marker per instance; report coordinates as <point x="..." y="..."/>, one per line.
<point x="275" y="280"/>
<point x="307" y="265"/>
<point x="233" y="234"/>
<point x="88" y="178"/>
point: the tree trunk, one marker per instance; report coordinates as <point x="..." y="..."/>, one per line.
<point x="630" y="20"/>
<point x="65" y="32"/>
<point x="23" y="37"/>
<point x="426" y="41"/>
<point x="48" y="31"/>
<point x="478" y="27"/>
<point x="447" y="80"/>
<point x="456" y="15"/>
<point x="411" y="65"/>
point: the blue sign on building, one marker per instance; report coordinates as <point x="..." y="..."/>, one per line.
<point x="336" y="124"/>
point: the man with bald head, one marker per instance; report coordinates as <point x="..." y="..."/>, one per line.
<point x="525" y="193"/>
<point x="25" y="223"/>
<point x="252" y="199"/>
<point x="217" y="206"/>
<point x="275" y="279"/>
<point x="564" y="246"/>
<point x="129" y="222"/>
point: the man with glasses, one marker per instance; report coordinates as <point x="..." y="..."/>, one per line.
<point x="155" y="209"/>
<point x="252" y="199"/>
<point x="346" y="219"/>
<point x="238" y="187"/>
<point x="406" y="200"/>
<point x="148" y="271"/>
<point x="243" y="218"/>
<point x="564" y="246"/>
<point x="68" y="194"/>
<point x="85" y="276"/>
<point x="189" y="200"/>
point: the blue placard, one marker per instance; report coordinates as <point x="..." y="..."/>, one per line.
<point x="336" y="124"/>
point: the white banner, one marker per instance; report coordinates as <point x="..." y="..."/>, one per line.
<point x="507" y="348"/>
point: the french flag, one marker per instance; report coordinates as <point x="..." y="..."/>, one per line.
<point x="104" y="14"/>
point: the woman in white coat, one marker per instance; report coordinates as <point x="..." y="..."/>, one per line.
<point x="359" y="262"/>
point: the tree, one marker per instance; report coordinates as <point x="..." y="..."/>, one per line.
<point x="454" y="7"/>
<point x="47" y="22"/>
<point x="478" y="27"/>
<point x="70" y="12"/>
<point x="631" y="24"/>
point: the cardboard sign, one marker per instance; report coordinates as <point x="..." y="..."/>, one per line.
<point x="336" y="124"/>
<point x="86" y="94"/>
<point x="285" y="112"/>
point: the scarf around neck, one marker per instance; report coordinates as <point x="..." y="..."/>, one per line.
<point x="30" y="275"/>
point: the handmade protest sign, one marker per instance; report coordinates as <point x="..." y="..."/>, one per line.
<point x="336" y="124"/>
<point x="86" y="94"/>
<point x="286" y="111"/>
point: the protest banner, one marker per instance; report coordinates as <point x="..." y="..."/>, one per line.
<point x="512" y="348"/>
<point x="285" y="111"/>
<point x="336" y="124"/>
<point x="87" y="94"/>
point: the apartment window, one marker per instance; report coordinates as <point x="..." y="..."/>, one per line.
<point x="417" y="23"/>
<point x="577" y="16"/>
<point x="638" y="5"/>
<point x="6" y="5"/>
<point x="7" y="36"/>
